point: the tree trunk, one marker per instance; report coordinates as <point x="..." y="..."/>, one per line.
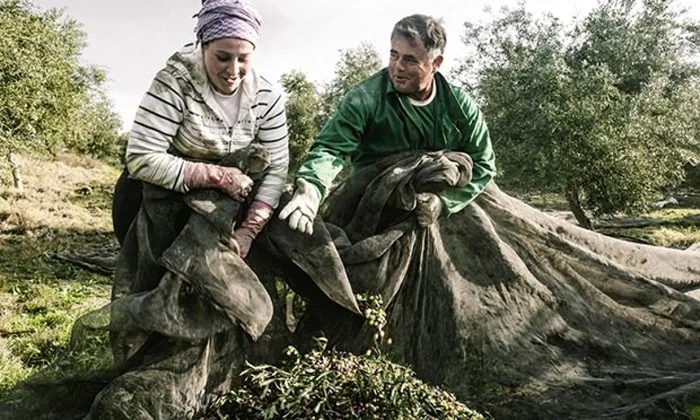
<point x="16" y="175"/>
<point x="572" y="198"/>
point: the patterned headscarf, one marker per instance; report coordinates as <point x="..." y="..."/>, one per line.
<point x="228" y="19"/>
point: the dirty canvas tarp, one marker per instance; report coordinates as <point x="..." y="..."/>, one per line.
<point x="187" y="310"/>
<point x="562" y="321"/>
<point x="186" y="313"/>
<point x="516" y="311"/>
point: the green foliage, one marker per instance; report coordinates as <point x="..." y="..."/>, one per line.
<point x="606" y="112"/>
<point x="637" y="41"/>
<point x="695" y="413"/>
<point x="355" y="65"/>
<point x="302" y="115"/>
<point x="49" y="100"/>
<point x="329" y="384"/>
<point x="97" y="135"/>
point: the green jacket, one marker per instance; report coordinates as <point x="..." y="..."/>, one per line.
<point x="373" y="121"/>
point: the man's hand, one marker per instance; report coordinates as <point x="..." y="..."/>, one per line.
<point x="231" y="181"/>
<point x="428" y="208"/>
<point x="302" y="208"/>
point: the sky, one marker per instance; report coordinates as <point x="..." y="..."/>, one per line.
<point x="131" y="39"/>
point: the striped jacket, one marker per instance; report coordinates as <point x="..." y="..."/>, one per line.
<point x="179" y="113"/>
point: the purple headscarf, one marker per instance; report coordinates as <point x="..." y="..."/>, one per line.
<point x="228" y="19"/>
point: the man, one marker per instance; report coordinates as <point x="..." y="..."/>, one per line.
<point x="407" y="106"/>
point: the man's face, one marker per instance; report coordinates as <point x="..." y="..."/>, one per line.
<point x="227" y="60"/>
<point x="411" y="69"/>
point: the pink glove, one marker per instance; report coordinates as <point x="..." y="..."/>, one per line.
<point x="258" y="215"/>
<point x="232" y="181"/>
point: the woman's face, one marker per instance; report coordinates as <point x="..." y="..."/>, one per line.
<point x="227" y="60"/>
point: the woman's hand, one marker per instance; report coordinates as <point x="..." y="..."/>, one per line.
<point x="231" y="181"/>
<point x="256" y="219"/>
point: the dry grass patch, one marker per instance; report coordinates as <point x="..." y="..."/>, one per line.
<point x="680" y="237"/>
<point x="68" y="193"/>
<point x="65" y="206"/>
<point x="673" y="214"/>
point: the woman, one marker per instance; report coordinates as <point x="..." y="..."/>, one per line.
<point x="186" y="310"/>
<point x="207" y="102"/>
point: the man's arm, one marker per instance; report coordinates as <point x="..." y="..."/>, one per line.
<point x="476" y="142"/>
<point x="338" y="139"/>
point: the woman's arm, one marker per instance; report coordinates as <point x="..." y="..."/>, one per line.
<point x="157" y="121"/>
<point x="274" y="135"/>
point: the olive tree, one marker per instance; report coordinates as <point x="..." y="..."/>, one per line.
<point x="50" y="100"/>
<point x="604" y="111"/>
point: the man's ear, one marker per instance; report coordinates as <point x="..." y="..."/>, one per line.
<point x="437" y="62"/>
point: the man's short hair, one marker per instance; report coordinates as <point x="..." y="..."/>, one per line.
<point x="427" y="29"/>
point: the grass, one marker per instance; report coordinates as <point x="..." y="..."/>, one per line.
<point x="67" y="194"/>
<point x="675" y="228"/>
<point x="673" y="215"/>
<point x="542" y="200"/>
<point x="680" y="237"/>
<point x="65" y="205"/>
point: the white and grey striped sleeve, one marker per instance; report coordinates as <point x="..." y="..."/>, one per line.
<point x="273" y="134"/>
<point x="157" y="121"/>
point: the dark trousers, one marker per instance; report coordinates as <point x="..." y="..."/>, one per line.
<point x="126" y="204"/>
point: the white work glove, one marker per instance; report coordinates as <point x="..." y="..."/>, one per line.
<point x="428" y="208"/>
<point x="302" y="208"/>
